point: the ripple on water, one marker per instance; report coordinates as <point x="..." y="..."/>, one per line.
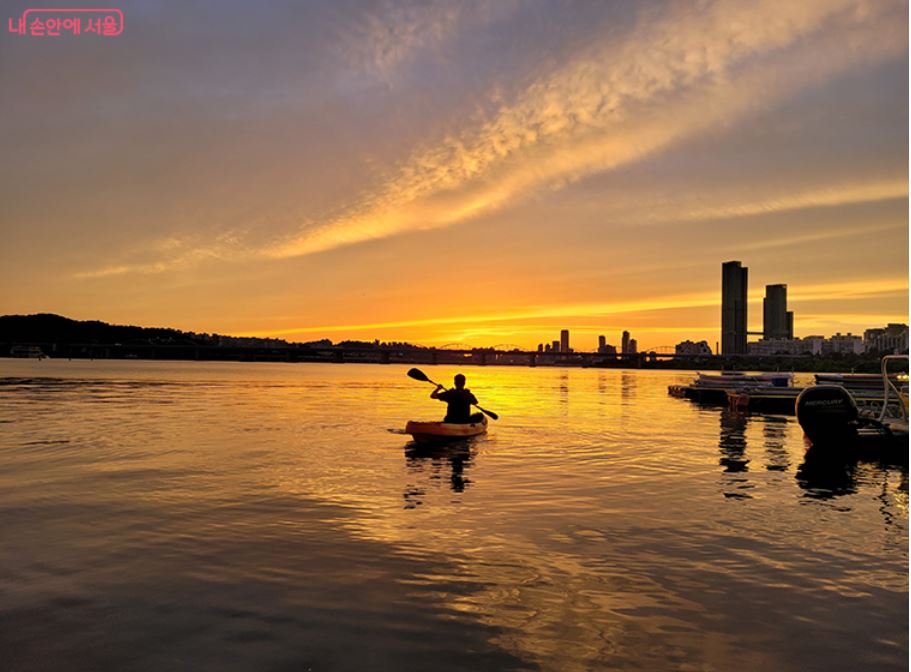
<point x="243" y="516"/>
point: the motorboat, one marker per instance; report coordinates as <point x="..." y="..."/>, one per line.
<point x="832" y="418"/>
<point x="736" y="379"/>
<point x="27" y="351"/>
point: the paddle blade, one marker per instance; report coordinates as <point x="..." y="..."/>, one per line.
<point x="489" y="414"/>
<point x="417" y="374"/>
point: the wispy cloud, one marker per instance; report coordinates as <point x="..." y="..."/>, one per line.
<point x="393" y="34"/>
<point x="675" y="75"/>
<point x="831" y="196"/>
<point x="819" y="236"/>
<point x="172" y="253"/>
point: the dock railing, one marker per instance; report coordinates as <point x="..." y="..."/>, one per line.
<point x="889" y="387"/>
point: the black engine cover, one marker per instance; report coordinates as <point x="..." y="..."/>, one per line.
<point x="827" y="414"/>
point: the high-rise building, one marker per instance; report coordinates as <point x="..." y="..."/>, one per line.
<point x="624" y="343"/>
<point x="733" y="308"/>
<point x="555" y="346"/>
<point x="564" y="340"/>
<point x="790" y="315"/>
<point x="540" y="347"/>
<point x="775" y="313"/>
<point x="632" y="347"/>
<point x="602" y="341"/>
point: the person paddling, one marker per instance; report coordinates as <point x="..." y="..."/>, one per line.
<point x="459" y="401"/>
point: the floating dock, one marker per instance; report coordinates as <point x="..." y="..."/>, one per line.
<point x="765" y="399"/>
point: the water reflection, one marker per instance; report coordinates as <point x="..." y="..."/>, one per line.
<point x="824" y="475"/>
<point x="893" y="504"/>
<point x="732" y="444"/>
<point x="774" y="434"/>
<point x="627" y="387"/>
<point x="450" y="460"/>
<point x="581" y="542"/>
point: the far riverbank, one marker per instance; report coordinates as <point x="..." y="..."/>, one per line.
<point x="429" y="356"/>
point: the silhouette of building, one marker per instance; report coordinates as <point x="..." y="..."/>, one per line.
<point x="540" y="347"/>
<point x="777" y="320"/>
<point x="624" y="343"/>
<point x="632" y="347"/>
<point x="733" y="308"/>
<point x="814" y="344"/>
<point x="564" y="340"/>
<point x="891" y="339"/>
<point x="604" y="348"/>
<point x="690" y="348"/>
<point x="811" y="345"/>
<point x="843" y="344"/>
<point x="555" y="346"/>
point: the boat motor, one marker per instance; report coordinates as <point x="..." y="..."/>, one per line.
<point x="827" y="414"/>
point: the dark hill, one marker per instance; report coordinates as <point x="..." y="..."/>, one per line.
<point x="49" y="328"/>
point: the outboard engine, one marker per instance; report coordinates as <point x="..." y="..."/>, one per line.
<point x="827" y="414"/>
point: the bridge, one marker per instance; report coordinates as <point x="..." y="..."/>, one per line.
<point x="505" y="354"/>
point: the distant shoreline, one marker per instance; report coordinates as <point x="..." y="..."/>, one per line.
<point x="844" y="364"/>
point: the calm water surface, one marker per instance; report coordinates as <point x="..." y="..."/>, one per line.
<point x="226" y="516"/>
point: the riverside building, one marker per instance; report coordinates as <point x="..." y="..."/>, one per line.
<point x="733" y="308"/>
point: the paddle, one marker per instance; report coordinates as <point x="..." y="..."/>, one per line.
<point x="417" y="374"/>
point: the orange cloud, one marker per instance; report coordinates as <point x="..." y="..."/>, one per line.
<point x="672" y="78"/>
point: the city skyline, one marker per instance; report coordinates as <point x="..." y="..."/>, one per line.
<point x="49" y="330"/>
<point x="486" y="173"/>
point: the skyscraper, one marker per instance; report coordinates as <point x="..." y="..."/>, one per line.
<point x="733" y="308"/>
<point x="602" y="343"/>
<point x="775" y="323"/>
<point x="564" y="340"/>
<point x="624" y="344"/>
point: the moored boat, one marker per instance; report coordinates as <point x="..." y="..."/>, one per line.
<point x="831" y="419"/>
<point x="714" y="388"/>
<point x="29" y="351"/>
<point x="736" y="379"/>
<point x="858" y="381"/>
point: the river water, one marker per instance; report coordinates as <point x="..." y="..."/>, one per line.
<point x="237" y="516"/>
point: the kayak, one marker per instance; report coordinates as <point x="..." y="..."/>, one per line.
<point x="435" y="432"/>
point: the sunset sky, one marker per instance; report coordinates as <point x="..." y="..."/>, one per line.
<point x="458" y="172"/>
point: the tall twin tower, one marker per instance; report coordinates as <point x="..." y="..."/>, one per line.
<point x="777" y="320"/>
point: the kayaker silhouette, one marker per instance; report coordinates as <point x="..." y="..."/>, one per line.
<point x="459" y="401"/>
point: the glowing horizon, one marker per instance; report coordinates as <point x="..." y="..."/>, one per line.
<point x="482" y="173"/>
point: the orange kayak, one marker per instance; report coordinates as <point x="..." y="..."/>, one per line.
<point x="434" y="432"/>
